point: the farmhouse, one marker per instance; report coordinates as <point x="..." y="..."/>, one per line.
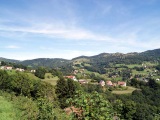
<point x="109" y="83"/>
<point x="82" y="81"/>
<point x="20" y="69"/>
<point x="6" y="68"/>
<point x="2" y="67"/>
<point x="33" y="71"/>
<point x="102" y="83"/>
<point x="71" y="77"/>
<point x="120" y="83"/>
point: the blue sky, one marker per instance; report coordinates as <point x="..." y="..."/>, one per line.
<point x="69" y="28"/>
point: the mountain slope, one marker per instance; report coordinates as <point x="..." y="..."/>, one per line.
<point x="9" y="60"/>
<point x="47" y="62"/>
<point x="101" y="60"/>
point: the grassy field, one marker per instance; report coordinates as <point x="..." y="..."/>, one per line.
<point x="50" y="79"/>
<point x="80" y="60"/>
<point x="11" y="72"/>
<point x="7" y="110"/>
<point x="128" y="91"/>
<point x="129" y="66"/>
<point x="32" y="76"/>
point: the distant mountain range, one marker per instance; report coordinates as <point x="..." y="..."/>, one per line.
<point x="9" y="60"/>
<point x="101" y="59"/>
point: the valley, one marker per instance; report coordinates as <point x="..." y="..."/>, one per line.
<point x="115" y="78"/>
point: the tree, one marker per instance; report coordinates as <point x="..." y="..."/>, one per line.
<point x="40" y="72"/>
<point x="143" y="112"/>
<point x="118" y="107"/>
<point x="71" y="88"/>
<point x="66" y="89"/>
<point x="129" y="109"/>
<point x="91" y="106"/>
<point x="152" y="84"/>
<point x="158" y="67"/>
<point x="21" y="84"/>
<point x="56" y="72"/>
<point x="3" y="79"/>
<point x="45" y="110"/>
<point x="62" y="92"/>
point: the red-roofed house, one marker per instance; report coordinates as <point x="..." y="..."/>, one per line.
<point x="71" y="77"/>
<point x="121" y="83"/>
<point x="83" y="81"/>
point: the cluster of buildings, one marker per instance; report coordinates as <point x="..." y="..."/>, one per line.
<point x="71" y="77"/>
<point x="11" y="68"/>
<point x="78" y="71"/>
<point x="6" y="68"/>
<point x="17" y="69"/>
<point x="81" y="81"/>
<point x="102" y="83"/>
<point x="110" y="83"/>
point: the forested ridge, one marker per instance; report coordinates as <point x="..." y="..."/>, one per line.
<point x="97" y="60"/>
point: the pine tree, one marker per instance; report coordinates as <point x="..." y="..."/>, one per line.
<point x="62" y="92"/>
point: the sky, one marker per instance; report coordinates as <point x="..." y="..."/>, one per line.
<point x="32" y="29"/>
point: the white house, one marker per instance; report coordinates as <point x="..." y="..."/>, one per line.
<point x="83" y="81"/>
<point x="2" y="67"/>
<point x="8" y="67"/>
<point x="20" y="69"/>
<point x="121" y="83"/>
<point x="33" y="71"/>
<point x="102" y="83"/>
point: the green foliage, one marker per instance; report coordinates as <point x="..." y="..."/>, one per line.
<point x="22" y="108"/>
<point x="62" y="92"/>
<point x="92" y="106"/>
<point x="7" y="110"/>
<point x="144" y="112"/>
<point x="28" y="108"/>
<point x="139" y="68"/>
<point x="3" y="79"/>
<point x="152" y="84"/>
<point x="43" y="90"/>
<point x="56" y="72"/>
<point x="45" y="62"/>
<point x="118" y="107"/>
<point x="67" y="69"/>
<point x="129" y="109"/>
<point x="20" y="83"/>
<point x="40" y="72"/>
<point x="98" y="78"/>
<point x="66" y="89"/>
<point x="46" y="110"/>
<point x="40" y="91"/>
<point x="158" y="67"/>
<point x="89" y="88"/>
<point x="126" y="74"/>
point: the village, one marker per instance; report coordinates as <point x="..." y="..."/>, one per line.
<point x="102" y="83"/>
<point x="9" y="68"/>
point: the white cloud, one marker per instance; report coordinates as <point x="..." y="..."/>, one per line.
<point x="12" y="47"/>
<point x="58" y="32"/>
